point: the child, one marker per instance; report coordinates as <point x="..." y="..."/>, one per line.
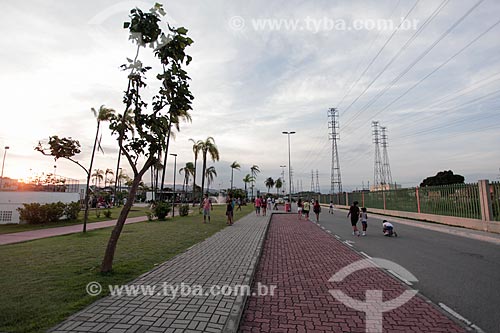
<point x="330" y="209"/>
<point x="388" y="229"/>
<point x="364" y="220"/>
<point x="207" y="207"/>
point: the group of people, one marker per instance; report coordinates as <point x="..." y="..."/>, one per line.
<point x="230" y="204"/>
<point x="262" y="205"/>
<point x="304" y="207"/>
<point x="355" y="213"/>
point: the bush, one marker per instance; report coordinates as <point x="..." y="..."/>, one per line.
<point x="162" y="209"/>
<point x="184" y="210"/>
<point x="72" y="210"/>
<point x="35" y="213"/>
<point x="150" y="215"/>
<point x="107" y="214"/>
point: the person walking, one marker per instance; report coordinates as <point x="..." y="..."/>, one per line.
<point x="354" y="214"/>
<point x="263" y="206"/>
<point x="317" y="209"/>
<point x="364" y="220"/>
<point x="207" y="207"/>
<point x="257" y="206"/>
<point x="229" y="211"/>
<point x="299" y="208"/>
<point x="330" y="209"/>
<point x="306" y="207"/>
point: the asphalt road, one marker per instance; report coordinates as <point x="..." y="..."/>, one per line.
<point x="462" y="273"/>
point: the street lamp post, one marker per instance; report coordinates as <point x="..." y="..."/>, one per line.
<point x="173" y="197"/>
<point x="3" y="164"/>
<point x="289" y="168"/>
<point x="283" y="176"/>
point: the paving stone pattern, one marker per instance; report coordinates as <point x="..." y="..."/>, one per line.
<point x="227" y="258"/>
<point x="299" y="258"/>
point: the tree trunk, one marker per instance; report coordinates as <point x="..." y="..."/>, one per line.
<point x="166" y="154"/>
<point x="87" y="190"/>
<point x="117" y="172"/>
<point x="203" y="175"/>
<point x="107" y="262"/>
<point x="194" y="180"/>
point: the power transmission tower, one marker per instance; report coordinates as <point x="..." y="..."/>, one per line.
<point x="385" y="157"/>
<point x="317" y="182"/>
<point x="333" y="125"/>
<point x="378" y="172"/>
<point x="312" y="180"/>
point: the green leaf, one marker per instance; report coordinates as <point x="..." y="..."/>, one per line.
<point x="126" y="25"/>
<point x="182" y="30"/>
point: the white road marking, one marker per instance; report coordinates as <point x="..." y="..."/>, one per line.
<point x="337" y="236"/>
<point x="400" y="277"/>
<point x="460" y="317"/>
<point x="349" y="243"/>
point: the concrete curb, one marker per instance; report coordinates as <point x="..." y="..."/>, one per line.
<point x="233" y="322"/>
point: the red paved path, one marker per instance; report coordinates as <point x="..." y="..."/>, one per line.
<point x="24" y="236"/>
<point x="299" y="258"/>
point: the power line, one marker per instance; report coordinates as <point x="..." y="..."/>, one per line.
<point x="417" y="60"/>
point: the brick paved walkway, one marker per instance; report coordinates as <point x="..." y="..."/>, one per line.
<point x="18" y="237"/>
<point x="227" y="258"/>
<point x="299" y="258"/>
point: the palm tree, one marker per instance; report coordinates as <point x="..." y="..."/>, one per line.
<point x="278" y="184"/>
<point x="99" y="176"/>
<point x="196" y="151"/>
<point x="254" y="170"/>
<point x="234" y="165"/>
<point x="106" y="173"/>
<point x="246" y="180"/>
<point x="269" y="183"/>
<point x="188" y="171"/>
<point x="208" y="147"/>
<point x="210" y="174"/>
<point x="174" y="117"/>
<point x="104" y="114"/>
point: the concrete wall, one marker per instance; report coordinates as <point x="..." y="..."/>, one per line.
<point x="10" y="201"/>
<point x="483" y="225"/>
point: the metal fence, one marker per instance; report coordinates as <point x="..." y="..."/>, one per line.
<point x="495" y="200"/>
<point x="459" y="200"/>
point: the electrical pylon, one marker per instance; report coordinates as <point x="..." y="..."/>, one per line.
<point x="333" y="125"/>
<point x="385" y="156"/>
<point x="378" y="172"/>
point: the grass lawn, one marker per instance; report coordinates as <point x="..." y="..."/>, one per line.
<point x="43" y="281"/>
<point x="134" y="212"/>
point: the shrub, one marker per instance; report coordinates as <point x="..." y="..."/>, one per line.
<point x="162" y="209"/>
<point x="72" y="210"/>
<point x="150" y="215"/>
<point x="97" y="213"/>
<point x="107" y="213"/>
<point x="184" y="210"/>
<point x="35" y="213"/>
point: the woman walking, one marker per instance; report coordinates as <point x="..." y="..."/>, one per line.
<point x="317" y="209"/>
<point x="229" y="211"/>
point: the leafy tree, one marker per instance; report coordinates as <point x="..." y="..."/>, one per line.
<point x="188" y="171"/>
<point x="152" y="127"/>
<point x="443" y="178"/>
<point x="210" y="174"/>
<point x="106" y="173"/>
<point x="246" y="180"/>
<point x="278" y="184"/>
<point x="99" y="176"/>
<point x="67" y="148"/>
<point x="196" y="152"/>
<point x="234" y="165"/>
<point x="269" y="183"/>
<point x="254" y="170"/>
<point x="207" y="147"/>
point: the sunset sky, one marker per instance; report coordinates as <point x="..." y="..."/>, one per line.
<point x="438" y="92"/>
